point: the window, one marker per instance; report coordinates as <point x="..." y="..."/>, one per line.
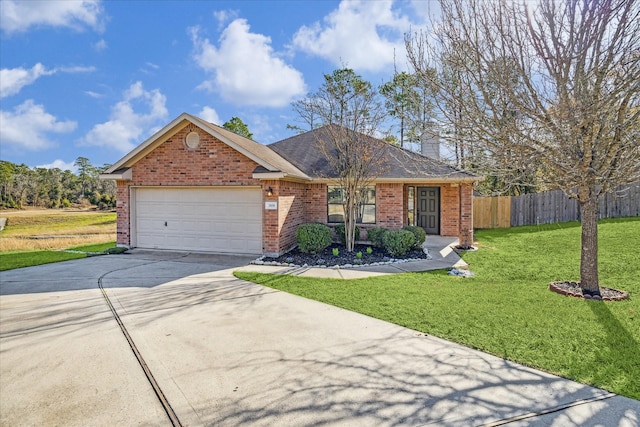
<point x="366" y="210"/>
<point x="411" y="197"/>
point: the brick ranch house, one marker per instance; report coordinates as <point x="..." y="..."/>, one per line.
<point x="195" y="186"/>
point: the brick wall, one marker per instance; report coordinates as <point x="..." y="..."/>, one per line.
<point x="390" y="211"/>
<point x="291" y="213"/>
<point x="315" y="203"/>
<point x="212" y="163"/>
<point x="449" y="210"/>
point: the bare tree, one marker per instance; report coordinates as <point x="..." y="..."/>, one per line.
<point x="350" y="112"/>
<point x="557" y="82"/>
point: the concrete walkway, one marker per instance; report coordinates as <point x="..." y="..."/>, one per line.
<point x="440" y="249"/>
<point x="231" y="353"/>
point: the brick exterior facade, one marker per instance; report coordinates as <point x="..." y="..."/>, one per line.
<point x="213" y="163"/>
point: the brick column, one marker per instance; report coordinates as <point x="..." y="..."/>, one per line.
<point x="270" y="231"/>
<point x="466" y="215"/>
<point x="123" y="212"/>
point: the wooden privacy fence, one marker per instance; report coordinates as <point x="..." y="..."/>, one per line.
<point x="550" y="207"/>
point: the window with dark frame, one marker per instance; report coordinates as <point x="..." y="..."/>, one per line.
<point x="366" y="210"/>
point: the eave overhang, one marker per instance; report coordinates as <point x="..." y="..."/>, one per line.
<point x="123" y="174"/>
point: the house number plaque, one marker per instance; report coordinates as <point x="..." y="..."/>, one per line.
<point x="270" y="206"/>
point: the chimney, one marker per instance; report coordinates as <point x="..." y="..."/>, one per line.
<point x="430" y="144"/>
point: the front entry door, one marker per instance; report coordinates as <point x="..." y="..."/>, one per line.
<point x="428" y="211"/>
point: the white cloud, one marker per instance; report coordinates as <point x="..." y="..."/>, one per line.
<point x="18" y="16"/>
<point x="93" y="94"/>
<point x="363" y="35"/>
<point x="60" y="164"/>
<point x="100" y="45"/>
<point x="28" y="124"/>
<point x="12" y="80"/>
<point x="210" y="115"/>
<point x="125" y="126"/>
<point x="245" y="69"/>
<point x="224" y="16"/>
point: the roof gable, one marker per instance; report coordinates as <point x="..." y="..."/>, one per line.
<point x="268" y="160"/>
<point x="395" y="163"/>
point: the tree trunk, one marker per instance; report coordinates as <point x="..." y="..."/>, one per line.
<point x="589" y="254"/>
<point x="349" y="222"/>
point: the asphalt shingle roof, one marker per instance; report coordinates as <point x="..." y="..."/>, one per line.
<point x="307" y="152"/>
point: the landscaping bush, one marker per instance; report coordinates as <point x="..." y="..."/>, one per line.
<point x="398" y="242"/>
<point x="375" y="235"/>
<point x="313" y="237"/>
<point x="419" y="234"/>
<point x="340" y="232"/>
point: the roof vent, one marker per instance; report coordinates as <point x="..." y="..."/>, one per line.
<point x="192" y="140"/>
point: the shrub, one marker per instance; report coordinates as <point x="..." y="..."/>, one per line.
<point x="340" y="232"/>
<point x="419" y="234"/>
<point x="375" y="236"/>
<point x="313" y="237"/>
<point x="398" y="242"/>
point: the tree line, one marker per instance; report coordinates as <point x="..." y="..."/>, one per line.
<point x="22" y="186"/>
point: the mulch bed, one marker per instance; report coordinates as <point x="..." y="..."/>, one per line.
<point x="344" y="258"/>
<point x="573" y="289"/>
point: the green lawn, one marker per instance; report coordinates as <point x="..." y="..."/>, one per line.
<point x="507" y="309"/>
<point x="19" y="259"/>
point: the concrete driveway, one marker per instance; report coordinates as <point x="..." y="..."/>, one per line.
<point x="225" y="352"/>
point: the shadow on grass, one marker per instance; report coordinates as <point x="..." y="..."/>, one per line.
<point x="619" y="344"/>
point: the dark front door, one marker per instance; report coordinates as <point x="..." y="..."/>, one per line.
<point x="428" y="211"/>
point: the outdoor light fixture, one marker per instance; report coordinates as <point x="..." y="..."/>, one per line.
<point x="269" y="191"/>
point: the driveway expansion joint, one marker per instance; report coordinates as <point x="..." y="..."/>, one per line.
<point x="550" y="410"/>
<point x="173" y="417"/>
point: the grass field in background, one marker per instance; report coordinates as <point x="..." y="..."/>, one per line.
<point x="51" y="229"/>
<point x="34" y="237"/>
<point x="507" y="309"/>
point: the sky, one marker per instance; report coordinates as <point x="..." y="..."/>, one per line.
<point x="96" y="78"/>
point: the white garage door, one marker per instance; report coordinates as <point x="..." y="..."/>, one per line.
<point x="192" y="219"/>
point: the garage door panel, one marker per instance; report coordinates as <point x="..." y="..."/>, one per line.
<point x="216" y="220"/>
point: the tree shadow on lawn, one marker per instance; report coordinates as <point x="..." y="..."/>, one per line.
<point x="620" y="345"/>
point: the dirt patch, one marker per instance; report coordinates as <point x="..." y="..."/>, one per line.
<point x="573" y="289"/>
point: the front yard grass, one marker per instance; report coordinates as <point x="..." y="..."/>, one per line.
<point x="20" y="259"/>
<point x="507" y="309"/>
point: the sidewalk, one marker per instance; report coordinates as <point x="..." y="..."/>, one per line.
<point x="440" y="249"/>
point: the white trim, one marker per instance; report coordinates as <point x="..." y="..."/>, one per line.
<point x="269" y="175"/>
<point x="133" y="231"/>
<point x="126" y="176"/>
